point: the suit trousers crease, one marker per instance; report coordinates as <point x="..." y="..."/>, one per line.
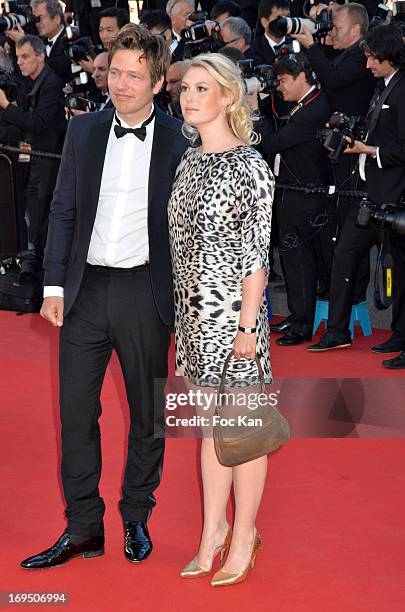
<point x="299" y="254"/>
<point x="114" y="310"/>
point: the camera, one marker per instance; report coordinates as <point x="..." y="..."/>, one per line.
<point x="260" y="77"/>
<point x="197" y="37"/>
<point x="75" y="101"/>
<point x="8" y="85"/>
<point x="334" y="136"/>
<point x="294" y="25"/>
<point x="386" y="216"/>
<point x="16" y="12"/>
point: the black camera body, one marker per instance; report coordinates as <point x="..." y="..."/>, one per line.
<point x="335" y="136"/>
<point x="260" y="77"/>
<point x="197" y="38"/>
<point x="390" y="217"/>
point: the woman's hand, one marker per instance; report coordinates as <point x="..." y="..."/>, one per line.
<point x="244" y="345"/>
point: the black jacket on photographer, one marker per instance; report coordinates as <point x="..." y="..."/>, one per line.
<point x="41" y="121"/>
<point x="346" y="79"/>
<point x="300" y="216"/>
<point x="58" y="58"/>
<point x="385" y="174"/>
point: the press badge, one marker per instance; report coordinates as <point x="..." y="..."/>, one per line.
<point x="23" y="157"/>
<point x="95" y="3"/>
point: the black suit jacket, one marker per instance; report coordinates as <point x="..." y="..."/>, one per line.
<point x="261" y="52"/>
<point x="346" y="79"/>
<point x="303" y="160"/>
<point x="58" y="60"/>
<point x="75" y="201"/>
<point x="387" y="184"/>
<point x="44" y="125"/>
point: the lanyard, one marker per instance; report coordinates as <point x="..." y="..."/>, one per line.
<point x="303" y="104"/>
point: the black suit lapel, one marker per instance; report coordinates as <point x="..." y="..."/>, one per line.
<point x="161" y="146"/>
<point x="97" y="149"/>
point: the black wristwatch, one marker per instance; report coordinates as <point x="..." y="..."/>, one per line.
<point x="247" y="330"/>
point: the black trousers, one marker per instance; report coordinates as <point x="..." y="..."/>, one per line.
<point x="299" y="219"/>
<point x="353" y="247"/>
<point x="114" y="309"/>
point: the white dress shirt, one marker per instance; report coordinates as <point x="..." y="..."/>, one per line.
<point x="48" y="48"/>
<point x="363" y="156"/>
<point x="272" y="43"/>
<point x="120" y="232"/>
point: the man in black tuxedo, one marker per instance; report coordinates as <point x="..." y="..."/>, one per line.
<point x="41" y="120"/>
<point x="108" y="255"/>
<point x="264" y="48"/>
<point x="159" y="23"/>
<point x="87" y="14"/>
<point x="300" y="160"/>
<point x="382" y="164"/>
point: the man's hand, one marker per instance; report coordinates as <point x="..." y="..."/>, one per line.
<point x="317" y="9"/>
<point x="360" y="147"/>
<point x="87" y="65"/>
<point x="3" y="99"/>
<point x="15" y="34"/>
<point x="305" y="39"/>
<point x="52" y="310"/>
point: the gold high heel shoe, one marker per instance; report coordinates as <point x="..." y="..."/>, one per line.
<point x="193" y="570"/>
<point x="223" y="579"/>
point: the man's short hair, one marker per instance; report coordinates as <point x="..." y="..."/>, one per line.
<point x="154" y="49"/>
<point x="294" y="64"/>
<point x="172" y="7"/>
<point x="120" y="14"/>
<point x="225" y="6"/>
<point x="53" y="8"/>
<point x="357" y="14"/>
<point x="233" y="53"/>
<point x="239" y="28"/>
<point x="36" y="43"/>
<point x="386" y="42"/>
<point x="266" y="7"/>
<point x="156" y="19"/>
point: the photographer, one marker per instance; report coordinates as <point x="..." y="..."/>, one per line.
<point x="87" y="14"/>
<point x="264" y="48"/>
<point x="178" y="11"/>
<point x="383" y="167"/>
<point x="42" y="121"/>
<point x="300" y="161"/>
<point x="111" y="20"/>
<point x="235" y="32"/>
<point x="159" y="23"/>
<point x="224" y="9"/>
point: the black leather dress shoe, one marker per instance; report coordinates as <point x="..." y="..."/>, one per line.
<point x="291" y="339"/>
<point x="396" y="363"/>
<point x="281" y="327"/>
<point x="390" y="346"/>
<point x="138" y="544"/>
<point x="64" y="550"/>
<point x="328" y="342"/>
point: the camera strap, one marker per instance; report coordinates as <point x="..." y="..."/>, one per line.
<point x="383" y="275"/>
<point x="304" y="103"/>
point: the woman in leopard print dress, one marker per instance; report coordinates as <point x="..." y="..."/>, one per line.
<point x="219" y="223"/>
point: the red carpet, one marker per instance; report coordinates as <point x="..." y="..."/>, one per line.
<point x="332" y="517"/>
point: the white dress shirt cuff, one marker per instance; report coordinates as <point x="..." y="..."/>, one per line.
<point x="53" y="291"/>
<point x="377" y="154"/>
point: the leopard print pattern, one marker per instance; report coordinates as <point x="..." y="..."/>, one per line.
<point x="219" y="225"/>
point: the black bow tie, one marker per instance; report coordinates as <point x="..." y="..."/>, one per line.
<point x="139" y="132"/>
<point x="49" y="43"/>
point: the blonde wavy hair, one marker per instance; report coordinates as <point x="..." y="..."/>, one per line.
<point x="238" y="114"/>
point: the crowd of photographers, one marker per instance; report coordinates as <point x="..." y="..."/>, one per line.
<point x="326" y="84"/>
